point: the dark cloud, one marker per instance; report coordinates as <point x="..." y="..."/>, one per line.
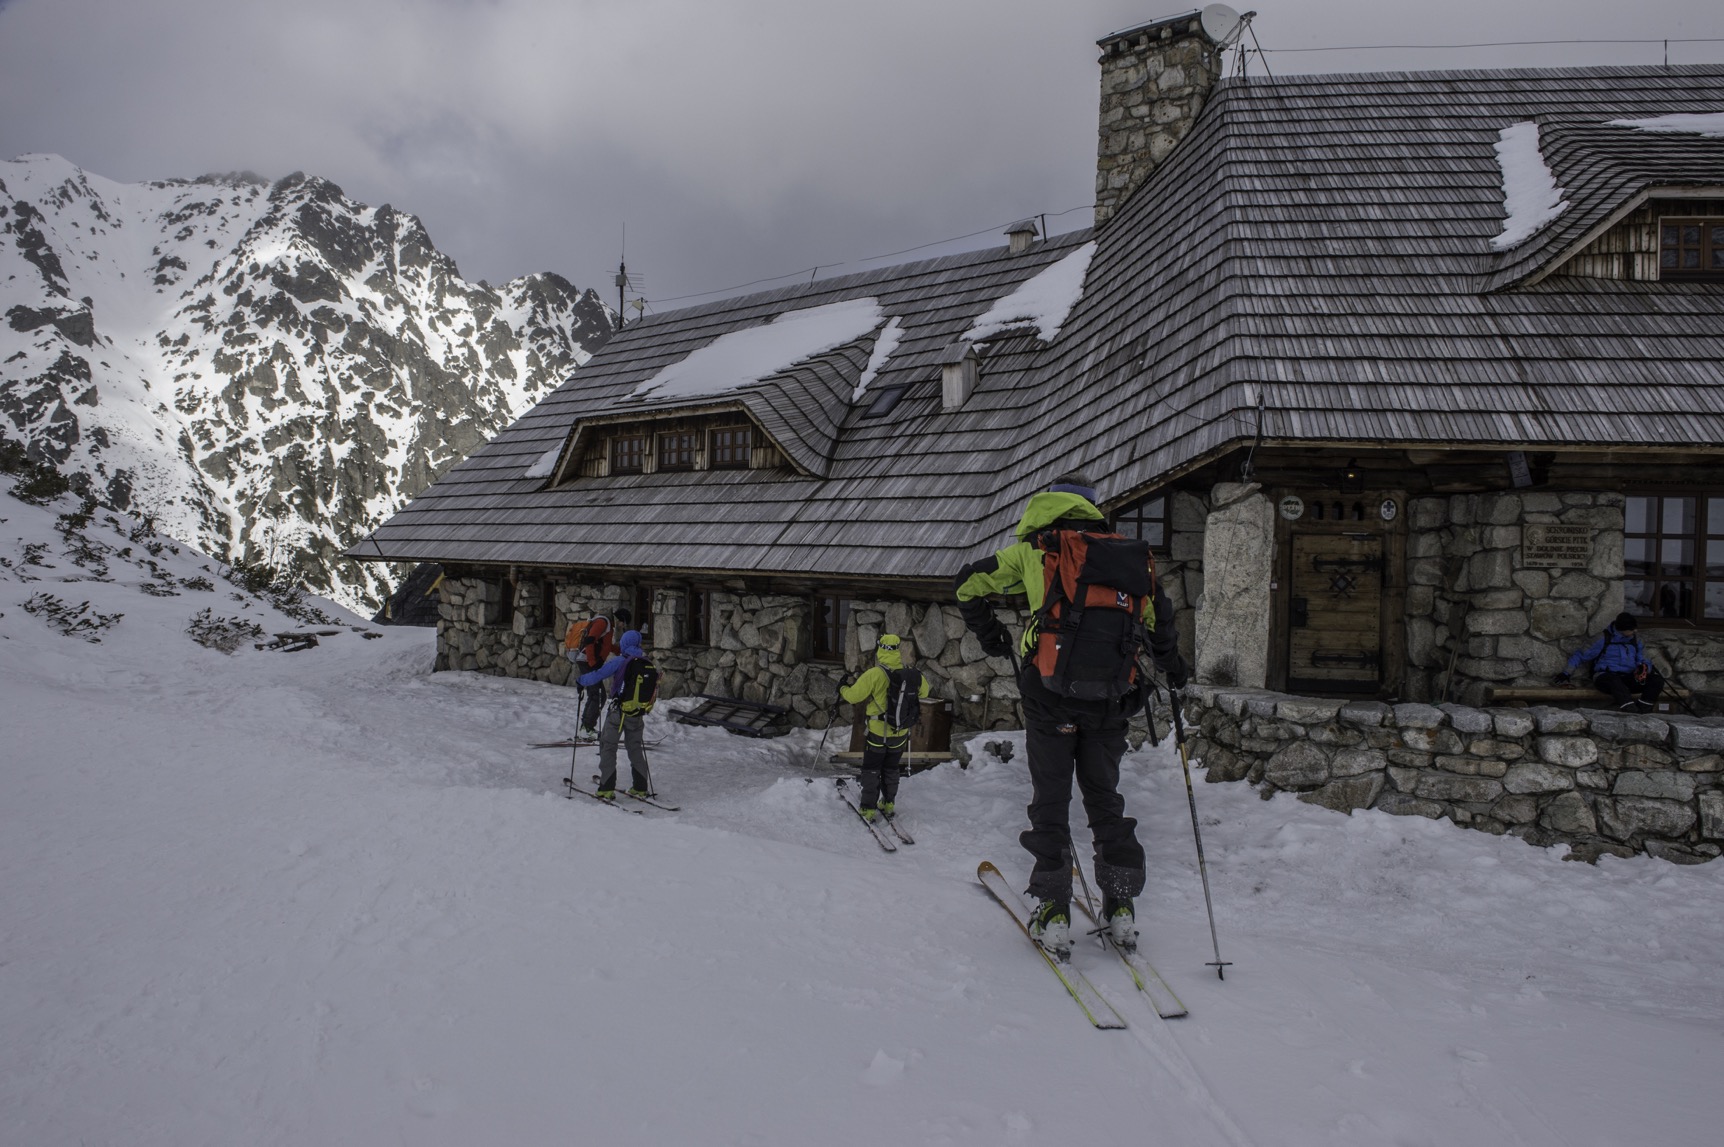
<point x="736" y="140"/>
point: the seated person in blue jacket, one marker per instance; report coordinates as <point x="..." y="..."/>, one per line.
<point x="1619" y="666"/>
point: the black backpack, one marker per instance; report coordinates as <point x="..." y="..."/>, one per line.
<point x="1090" y="627"/>
<point x="903" y="698"/>
<point x="640" y="687"/>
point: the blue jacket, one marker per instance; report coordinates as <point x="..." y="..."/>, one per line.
<point x="612" y="669"/>
<point x="1613" y="653"/>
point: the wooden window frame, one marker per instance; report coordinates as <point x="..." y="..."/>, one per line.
<point x="1706" y="537"/>
<point x="547" y="604"/>
<point x="1133" y="520"/>
<point x="829" y="621"/>
<point x="697" y="617"/>
<point x="677" y="450"/>
<point x="736" y="455"/>
<point x="620" y="452"/>
<point x="1708" y="248"/>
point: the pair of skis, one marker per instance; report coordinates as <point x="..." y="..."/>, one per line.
<point x="879" y="825"/>
<point x="651" y="800"/>
<point x="1093" y="1004"/>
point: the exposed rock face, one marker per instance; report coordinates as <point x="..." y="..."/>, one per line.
<point x="268" y="370"/>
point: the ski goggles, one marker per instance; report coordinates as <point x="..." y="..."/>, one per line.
<point x="887" y="643"/>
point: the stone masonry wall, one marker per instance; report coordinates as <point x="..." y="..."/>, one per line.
<point x="1467" y="580"/>
<point x="1602" y="782"/>
<point x="757" y="647"/>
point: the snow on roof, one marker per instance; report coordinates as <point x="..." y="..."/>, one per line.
<point x="738" y="358"/>
<point x="547" y="462"/>
<point x="1702" y="123"/>
<point x="883" y="348"/>
<point x="1531" y="197"/>
<point x="1043" y="300"/>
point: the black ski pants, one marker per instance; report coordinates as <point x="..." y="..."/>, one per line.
<point x="1621" y="687"/>
<point x="1085" y="740"/>
<point x="592" y="702"/>
<point x="879" y="774"/>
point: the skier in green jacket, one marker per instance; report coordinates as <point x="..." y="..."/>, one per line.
<point x="894" y="694"/>
<point x="1069" y="736"/>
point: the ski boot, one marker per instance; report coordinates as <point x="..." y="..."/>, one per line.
<point x="639" y="794"/>
<point x="606" y="794"/>
<point x="586" y="736"/>
<point x="888" y="809"/>
<point x="869" y="814"/>
<point x="1119" y="917"/>
<point x="1051" y="927"/>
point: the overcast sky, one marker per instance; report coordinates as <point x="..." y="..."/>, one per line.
<point x="736" y="139"/>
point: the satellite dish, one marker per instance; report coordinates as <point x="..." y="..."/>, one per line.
<point x="1222" y="24"/>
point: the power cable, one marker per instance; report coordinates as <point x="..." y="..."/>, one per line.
<point x="1495" y="44"/>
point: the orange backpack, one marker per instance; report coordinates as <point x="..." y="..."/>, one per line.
<point x="1089" y="630"/>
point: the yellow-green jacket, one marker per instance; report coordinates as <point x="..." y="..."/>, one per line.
<point x="1018" y="569"/>
<point x="871" y="687"/>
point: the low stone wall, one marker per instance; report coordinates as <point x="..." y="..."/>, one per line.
<point x="757" y="649"/>
<point x="1602" y="782"/>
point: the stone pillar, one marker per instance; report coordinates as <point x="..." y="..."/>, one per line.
<point x="1238" y="562"/>
<point x="1154" y="80"/>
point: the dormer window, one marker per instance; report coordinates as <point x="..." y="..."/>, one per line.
<point x="676" y="451"/>
<point x="1691" y="248"/>
<point x="628" y="454"/>
<point x="731" y="446"/>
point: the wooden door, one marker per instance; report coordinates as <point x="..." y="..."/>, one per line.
<point x="1335" y="613"/>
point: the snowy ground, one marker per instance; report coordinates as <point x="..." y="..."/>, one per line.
<point x="330" y="898"/>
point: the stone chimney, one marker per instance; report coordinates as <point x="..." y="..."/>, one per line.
<point x="1154" y="79"/>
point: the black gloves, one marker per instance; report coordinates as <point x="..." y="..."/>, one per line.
<point x="996" y="641"/>
<point x="1178" y="674"/>
<point x="1561" y="679"/>
<point x="995" y="638"/>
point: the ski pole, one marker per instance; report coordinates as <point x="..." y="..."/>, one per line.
<point x="1177" y="703"/>
<point x="574" y="754"/>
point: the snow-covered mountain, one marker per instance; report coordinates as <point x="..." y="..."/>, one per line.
<point x="266" y="370"/>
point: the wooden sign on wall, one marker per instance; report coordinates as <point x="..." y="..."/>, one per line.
<point x="1556" y="547"/>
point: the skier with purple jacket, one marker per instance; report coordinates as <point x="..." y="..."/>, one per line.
<point x="633" y="681"/>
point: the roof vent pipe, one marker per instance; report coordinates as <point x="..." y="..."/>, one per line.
<point x="960" y="370"/>
<point x="1020" y="235"/>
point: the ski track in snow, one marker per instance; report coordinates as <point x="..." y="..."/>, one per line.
<point x="330" y="897"/>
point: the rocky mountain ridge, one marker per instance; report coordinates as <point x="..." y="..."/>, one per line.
<point x="266" y="370"/>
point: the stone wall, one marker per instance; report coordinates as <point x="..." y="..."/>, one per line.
<point x="757" y="648"/>
<point x="1602" y="782"/>
<point x="1468" y="580"/>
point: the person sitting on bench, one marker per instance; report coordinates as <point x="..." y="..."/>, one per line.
<point x="1619" y="666"/>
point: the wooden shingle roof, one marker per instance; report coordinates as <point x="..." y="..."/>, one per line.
<point x="1319" y="244"/>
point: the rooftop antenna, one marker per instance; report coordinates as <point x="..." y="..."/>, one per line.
<point x="1226" y="28"/>
<point x="623" y="278"/>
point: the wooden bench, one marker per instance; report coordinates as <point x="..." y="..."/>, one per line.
<point x="1524" y="695"/>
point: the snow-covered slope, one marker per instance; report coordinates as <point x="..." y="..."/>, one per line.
<point x="266" y="369"/>
<point x="329" y="897"/>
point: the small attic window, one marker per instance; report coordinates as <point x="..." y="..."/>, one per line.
<point x="1691" y="248"/>
<point x="885" y="399"/>
<point x="628" y="453"/>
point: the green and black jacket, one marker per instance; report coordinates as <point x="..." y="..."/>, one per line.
<point x="1018" y="569"/>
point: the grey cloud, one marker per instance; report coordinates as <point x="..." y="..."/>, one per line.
<point x="737" y="140"/>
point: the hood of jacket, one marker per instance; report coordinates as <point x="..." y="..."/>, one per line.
<point x="631" y="644"/>
<point x="1045" y="509"/>
<point x="889" y="658"/>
